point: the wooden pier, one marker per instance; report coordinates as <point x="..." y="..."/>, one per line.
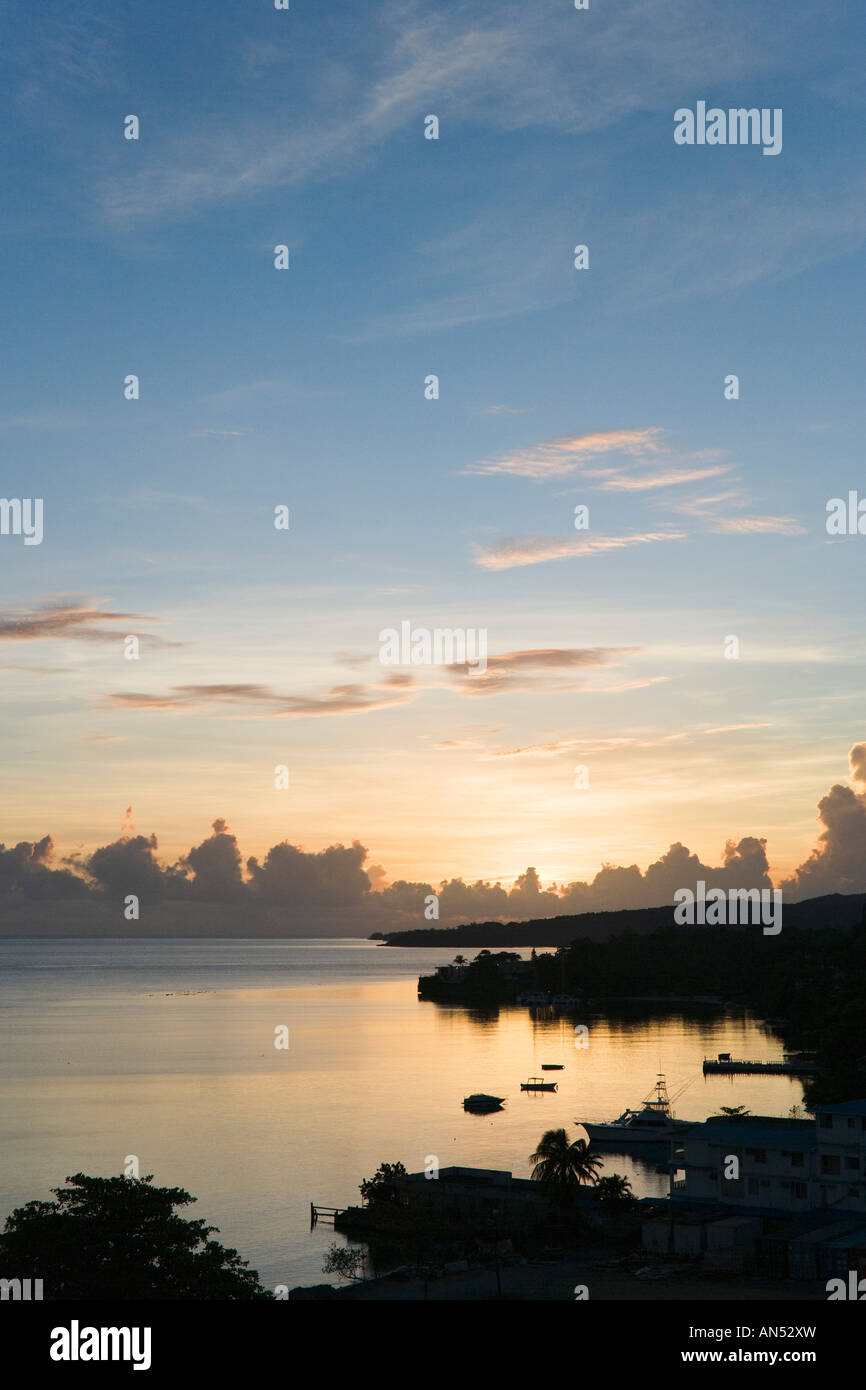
<point x="326" y="1214"/>
<point x="729" y="1066"/>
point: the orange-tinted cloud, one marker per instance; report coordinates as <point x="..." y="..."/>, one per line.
<point x="535" y="550"/>
<point x="537" y="669"/>
<point x="564" y="455"/>
<point x="65" y="621"/>
<point x="396" y="689"/>
<point x="758" y="525"/>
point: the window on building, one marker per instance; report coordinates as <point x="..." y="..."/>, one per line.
<point x="759" y="1155"/>
<point x="801" y="1190"/>
<point x="797" y="1160"/>
<point x="852" y="1163"/>
<point x="830" y="1164"/>
<point x="852" y="1124"/>
<point x="825" y="1121"/>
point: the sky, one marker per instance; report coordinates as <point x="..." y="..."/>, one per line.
<point x="558" y="387"/>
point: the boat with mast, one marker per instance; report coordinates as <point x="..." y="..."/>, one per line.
<point x="653" y="1123"/>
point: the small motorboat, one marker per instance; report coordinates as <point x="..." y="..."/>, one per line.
<point x="535" y="1083"/>
<point x="482" y="1104"/>
<point x="552" y="1066"/>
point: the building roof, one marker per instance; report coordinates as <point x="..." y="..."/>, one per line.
<point x="845" y="1107"/>
<point x="475" y="1177"/>
<point x="756" y="1132"/>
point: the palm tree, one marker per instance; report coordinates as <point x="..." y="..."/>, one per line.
<point x="615" y="1191"/>
<point x="561" y="1164"/>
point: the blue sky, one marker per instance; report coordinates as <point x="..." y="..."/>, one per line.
<point x="306" y="387"/>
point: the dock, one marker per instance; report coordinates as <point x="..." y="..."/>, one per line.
<point x="326" y="1214"/>
<point x="732" y="1066"/>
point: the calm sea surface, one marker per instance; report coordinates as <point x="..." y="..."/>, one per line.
<point x="165" y="1050"/>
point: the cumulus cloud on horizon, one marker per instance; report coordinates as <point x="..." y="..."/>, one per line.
<point x="336" y="887"/>
<point x="838" y="862"/>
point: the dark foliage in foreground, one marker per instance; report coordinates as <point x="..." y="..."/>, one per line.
<point x="120" y="1238"/>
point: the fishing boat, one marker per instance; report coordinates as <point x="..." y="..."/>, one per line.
<point x="537" y="1083"/>
<point x="653" y="1123"/>
<point x="552" y="1066"/>
<point x="483" y="1104"/>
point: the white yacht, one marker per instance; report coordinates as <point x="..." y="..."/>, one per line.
<point x="653" y="1123"/>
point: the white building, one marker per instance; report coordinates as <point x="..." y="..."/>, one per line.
<point x="760" y="1163"/>
<point x="840" y="1176"/>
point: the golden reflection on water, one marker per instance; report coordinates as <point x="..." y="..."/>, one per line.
<point x="191" y="1083"/>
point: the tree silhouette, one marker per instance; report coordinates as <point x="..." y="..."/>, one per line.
<point x="379" y="1188"/>
<point x="346" y="1261"/>
<point x="561" y="1164"/>
<point x="615" y="1191"/>
<point x="120" y="1238"/>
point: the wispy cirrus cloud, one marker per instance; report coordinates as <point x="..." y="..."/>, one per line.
<point x="414" y="56"/>
<point x="541" y="670"/>
<point x="535" y="550"/>
<point x="756" y="525"/>
<point x="705" y="506"/>
<point x="535" y="749"/>
<point x="77" y="53"/>
<point x="561" y="745"/>
<point x="715" y="511"/>
<point x="499" y="64"/>
<point x="558" y="658"/>
<point x="252" y="700"/>
<point x="249" y="391"/>
<point x="44" y="420"/>
<point x="669" y="477"/>
<point x="65" y="621"/>
<point x="454" y="745"/>
<point x="736" y="728"/>
<point x="34" y="670"/>
<point x="568" y="453"/>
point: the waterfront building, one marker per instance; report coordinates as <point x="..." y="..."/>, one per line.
<point x="761" y="1163"/>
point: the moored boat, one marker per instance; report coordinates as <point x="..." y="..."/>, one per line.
<point x="536" y="1083"/>
<point x="653" y="1123"/>
<point x="482" y="1103"/>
